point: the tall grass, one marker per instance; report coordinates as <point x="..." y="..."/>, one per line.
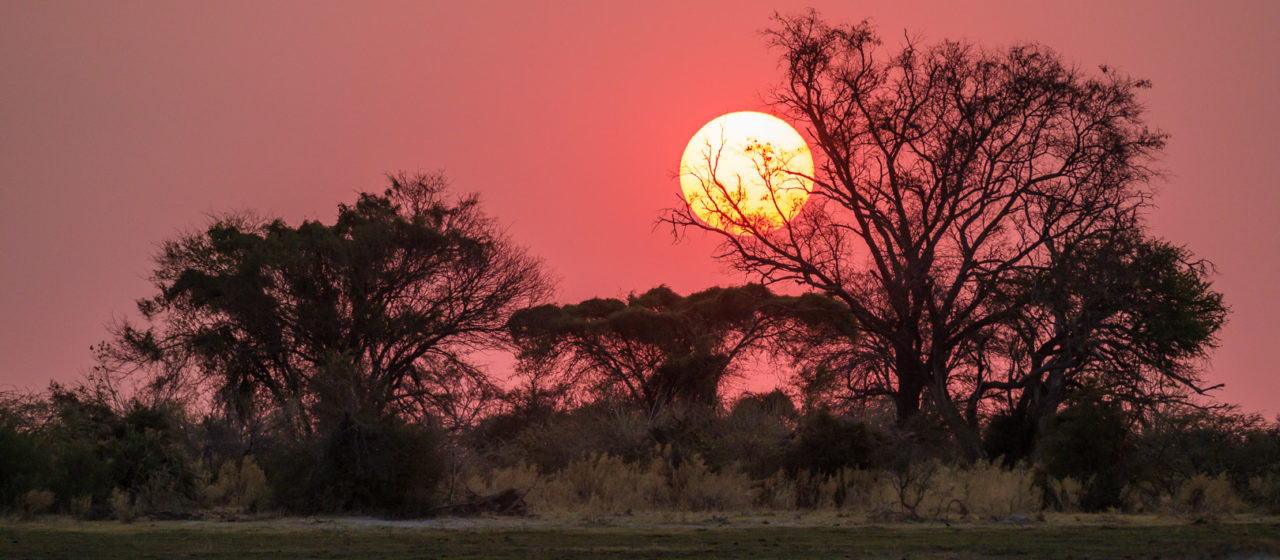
<point x="601" y="483"/>
<point x="598" y="484"/>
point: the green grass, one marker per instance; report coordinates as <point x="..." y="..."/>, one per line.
<point x="346" y="539"/>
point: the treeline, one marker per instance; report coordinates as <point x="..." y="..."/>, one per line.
<point x="331" y="368"/>
<point x="80" y="452"/>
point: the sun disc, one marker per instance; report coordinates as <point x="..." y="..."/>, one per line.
<point x="746" y="172"/>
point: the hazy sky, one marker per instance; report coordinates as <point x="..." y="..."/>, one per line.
<point x="125" y="123"/>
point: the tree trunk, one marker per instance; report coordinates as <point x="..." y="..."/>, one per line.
<point x="911" y="384"/>
<point x="965" y="432"/>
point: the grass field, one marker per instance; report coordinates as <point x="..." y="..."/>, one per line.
<point x="693" y="537"/>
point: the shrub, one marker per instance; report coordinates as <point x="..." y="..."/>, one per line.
<point x="123" y="506"/>
<point x="601" y="483"/>
<point x="93" y="449"/>
<point x="79" y="506"/>
<point x="692" y="486"/>
<point x="23" y="462"/>
<point x="1063" y="494"/>
<point x="1009" y="437"/>
<point x="1090" y="442"/>
<point x="554" y="443"/>
<point x="81" y="424"/>
<point x="380" y="465"/>
<point x="241" y="485"/>
<point x="754" y="435"/>
<point x="147" y="456"/>
<point x="1178" y="445"/>
<point x="987" y="490"/>
<point x="1208" y="496"/>
<point x="79" y="469"/>
<point x="1264" y="491"/>
<point x="826" y="446"/>
<point x="522" y="477"/>
<point x="825" y="443"/>
<point x="36" y="502"/>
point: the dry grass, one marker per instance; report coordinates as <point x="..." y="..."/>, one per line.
<point x="240" y="485"/>
<point x="1208" y="496"/>
<point x="123" y="506"/>
<point x="35" y="502"/>
<point x="602" y="484"/>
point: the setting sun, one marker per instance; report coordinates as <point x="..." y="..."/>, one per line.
<point x="746" y="172"/>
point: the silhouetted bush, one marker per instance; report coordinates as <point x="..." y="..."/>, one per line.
<point x="825" y="445"/>
<point x="684" y="429"/>
<point x="1090" y="442"/>
<point x="241" y="485"/>
<point x="1010" y="438"/>
<point x="380" y="465"/>
<point x="149" y="458"/>
<point x="560" y="438"/>
<point x="93" y="449"/>
<point x="23" y="462"/>
<point x="1178" y="446"/>
<point x="35" y="502"/>
<point x="755" y="434"/>
<point x="73" y="451"/>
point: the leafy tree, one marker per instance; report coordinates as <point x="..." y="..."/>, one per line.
<point x="338" y="347"/>
<point x="950" y="179"/>
<point x="660" y="348"/>
<point x="1119" y="315"/>
<point x="371" y="316"/>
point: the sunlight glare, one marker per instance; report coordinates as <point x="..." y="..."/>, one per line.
<point x="746" y="172"/>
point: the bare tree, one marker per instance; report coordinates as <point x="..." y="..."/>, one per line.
<point x="947" y="176"/>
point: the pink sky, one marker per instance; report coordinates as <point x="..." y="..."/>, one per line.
<point x="124" y="123"/>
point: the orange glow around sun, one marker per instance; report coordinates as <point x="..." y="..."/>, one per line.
<point x="746" y="172"/>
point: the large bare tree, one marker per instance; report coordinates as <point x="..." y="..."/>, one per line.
<point x="948" y="177"/>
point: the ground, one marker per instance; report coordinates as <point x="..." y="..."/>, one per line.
<point x="647" y="536"/>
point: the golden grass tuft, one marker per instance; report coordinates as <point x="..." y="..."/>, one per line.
<point x="35" y="502"/>
<point x="241" y="485"/>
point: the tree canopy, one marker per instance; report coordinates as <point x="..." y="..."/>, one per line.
<point x="372" y="315"/>
<point x="659" y="347"/>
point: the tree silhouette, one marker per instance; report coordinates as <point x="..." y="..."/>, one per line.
<point x="660" y="348"/>
<point x="1123" y="315"/>
<point x="371" y="316"/>
<point x="948" y="175"/>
